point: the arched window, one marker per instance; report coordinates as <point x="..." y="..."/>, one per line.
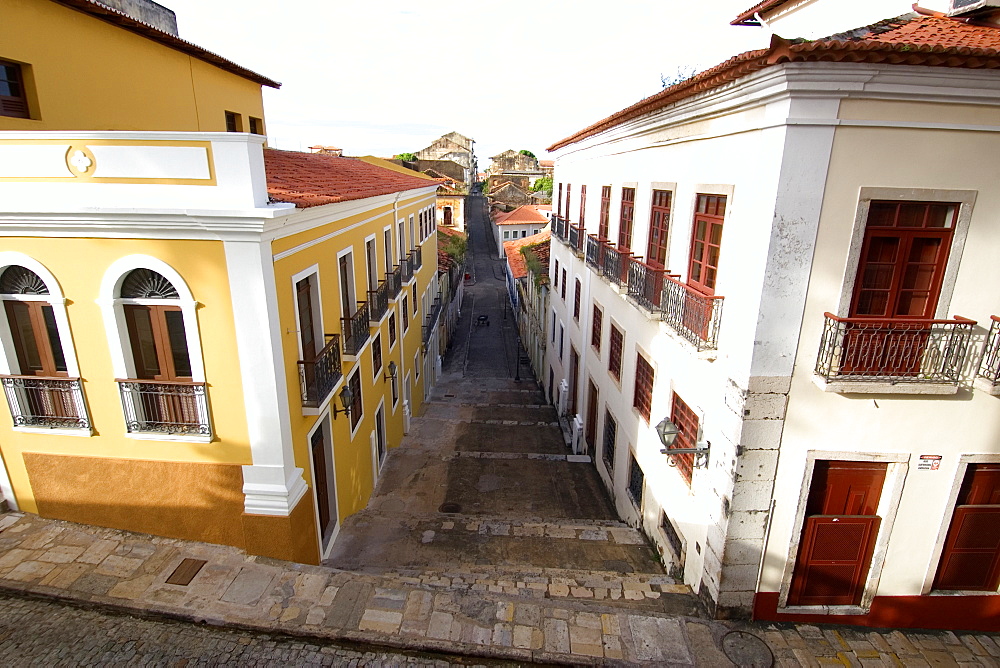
<point x="41" y="377"/>
<point x="156" y="330"/>
<point x="152" y="327"/>
<point x="33" y="330"/>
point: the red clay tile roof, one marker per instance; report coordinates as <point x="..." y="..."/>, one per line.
<point x="123" y="20"/>
<point x="747" y="17"/>
<point x="930" y="41"/>
<point x="518" y="267"/>
<point x="314" y="179"/>
<point x="523" y="215"/>
<point x="450" y="231"/>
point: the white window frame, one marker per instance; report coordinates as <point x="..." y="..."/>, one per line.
<point x="321" y="422"/>
<point x="317" y="306"/>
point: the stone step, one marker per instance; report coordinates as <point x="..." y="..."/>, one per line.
<point x="576" y="528"/>
<point x="649" y="592"/>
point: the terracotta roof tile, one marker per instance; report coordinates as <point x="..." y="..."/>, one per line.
<point x="450" y="231"/>
<point x="314" y="179"/>
<point x="747" y="17"/>
<point x="931" y="41"/>
<point x="518" y="267"/>
<point x="524" y="215"/>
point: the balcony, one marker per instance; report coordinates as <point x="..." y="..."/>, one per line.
<point x="318" y="377"/>
<point x="51" y="403"/>
<point x="893" y="356"/>
<point x="595" y="252"/>
<point x="693" y="315"/>
<point x="430" y="321"/>
<point x="576" y="238"/>
<point x="406" y="269"/>
<point x="355" y="330"/>
<point x="378" y="302"/>
<point x="615" y="267"/>
<point x="418" y="258"/>
<point x="165" y="407"/>
<point x="988" y="377"/>
<point x="559" y="225"/>
<point x="394" y="281"/>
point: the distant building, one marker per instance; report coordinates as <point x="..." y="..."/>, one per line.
<point x="522" y="222"/>
<point x="528" y="289"/>
<point x="452" y="147"/>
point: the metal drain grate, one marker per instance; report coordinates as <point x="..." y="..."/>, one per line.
<point x="450" y="508"/>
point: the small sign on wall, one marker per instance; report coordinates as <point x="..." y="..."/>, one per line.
<point x="929" y="463"/>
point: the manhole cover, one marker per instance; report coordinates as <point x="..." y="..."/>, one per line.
<point x="450" y="508"/>
<point x="746" y="649"/>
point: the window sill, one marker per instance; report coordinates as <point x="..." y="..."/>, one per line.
<point x="86" y="433"/>
<point x="883" y="387"/>
<point x="987" y="386"/>
<point x="172" y="438"/>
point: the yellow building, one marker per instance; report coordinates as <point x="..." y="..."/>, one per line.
<point x="200" y="337"/>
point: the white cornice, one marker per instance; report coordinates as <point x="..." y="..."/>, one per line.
<point x="144" y="135"/>
<point x="814" y="82"/>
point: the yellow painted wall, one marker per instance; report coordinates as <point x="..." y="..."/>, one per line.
<point x="88" y="74"/>
<point x="202" y="265"/>
<point x="352" y="456"/>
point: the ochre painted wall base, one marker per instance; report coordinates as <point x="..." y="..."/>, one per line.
<point x="957" y="613"/>
<point x="192" y="501"/>
<point x="291" y="538"/>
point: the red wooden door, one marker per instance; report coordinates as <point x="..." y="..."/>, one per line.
<point x="838" y="534"/>
<point x="706" y="242"/>
<point x="659" y="217"/>
<point x="971" y="557"/>
<point x="899" y="278"/>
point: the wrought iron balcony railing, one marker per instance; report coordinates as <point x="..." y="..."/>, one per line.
<point x="693" y="315"/>
<point x="55" y="403"/>
<point x="406" y="269"/>
<point x="646" y="284"/>
<point x="418" y="258"/>
<point x="378" y="302"/>
<point x="165" y="407"/>
<point x="575" y="237"/>
<point x="318" y="377"/>
<point x="431" y="319"/>
<point x="559" y="227"/>
<point x="394" y="281"/>
<point x="989" y="367"/>
<point x="893" y="350"/>
<point x="355" y="330"/>
<point x="595" y="252"/>
<point x="615" y="267"/>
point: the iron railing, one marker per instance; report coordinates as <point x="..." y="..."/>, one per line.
<point x="693" y="315"/>
<point x="645" y="284"/>
<point x="318" y="377"/>
<point x="615" y="267"/>
<point x="894" y="350"/>
<point x="575" y="237"/>
<point x="165" y="407"/>
<point x="595" y="252"/>
<point x="378" y="302"/>
<point x="418" y="258"/>
<point x="394" y="281"/>
<point x="559" y="227"/>
<point x="354" y="330"/>
<point x="55" y="403"/>
<point x="989" y="366"/>
<point x="430" y="320"/>
<point x="406" y="269"/>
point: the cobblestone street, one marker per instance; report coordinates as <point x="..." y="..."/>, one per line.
<point x="46" y="633"/>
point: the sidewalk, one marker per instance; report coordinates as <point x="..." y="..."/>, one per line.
<point x="535" y="619"/>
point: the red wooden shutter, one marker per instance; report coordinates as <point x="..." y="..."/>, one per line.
<point x="834" y="558"/>
<point x="971" y="557"/>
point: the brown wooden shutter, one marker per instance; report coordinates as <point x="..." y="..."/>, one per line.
<point x="971" y="557"/>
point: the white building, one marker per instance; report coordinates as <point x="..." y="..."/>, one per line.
<point x="524" y="221"/>
<point x="783" y="257"/>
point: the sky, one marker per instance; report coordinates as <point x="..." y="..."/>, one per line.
<point x="389" y="76"/>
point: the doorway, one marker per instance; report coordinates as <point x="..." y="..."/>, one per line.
<point x="971" y="557"/>
<point x="838" y="533"/>
<point x="324" y="482"/>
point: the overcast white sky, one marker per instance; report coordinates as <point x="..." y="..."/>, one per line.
<point x="386" y="76"/>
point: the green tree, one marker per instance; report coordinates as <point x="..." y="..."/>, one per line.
<point x="544" y="183"/>
<point x="526" y="152"/>
<point x="406" y="157"/>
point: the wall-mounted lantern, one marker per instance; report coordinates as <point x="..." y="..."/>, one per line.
<point x="668" y="432"/>
<point x="346" y="399"/>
